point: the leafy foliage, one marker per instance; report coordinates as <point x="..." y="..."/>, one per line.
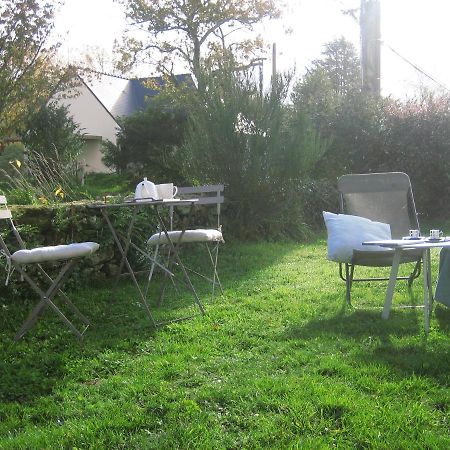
<point x="415" y="138"/>
<point x="261" y="149"/>
<point x="377" y="134"/>
<point x="330" y="93"/>
<point x="148" y="143"/>
<point x="52" y="128"/>
<point x="184" y="30"/>
<point x="328" y="82"/>
<point x="27" y="74"/>
<point x="340" y="63"/>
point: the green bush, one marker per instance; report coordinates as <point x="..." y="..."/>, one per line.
<point x="377" y="134"/>
<point x="416" y="140"/>
<point x="148" y="144"/>
<point x="52" y="130"/>
<point x="387" y="135"/>
<point x="97" y="185"/>
<point x="261" y="149"/>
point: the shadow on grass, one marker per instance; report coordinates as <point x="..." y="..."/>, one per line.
<point x="398" y="342"/>
<point x="32" y="367"/>
<point x="442" y="315"/>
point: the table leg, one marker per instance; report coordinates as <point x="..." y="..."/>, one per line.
<point x="427" y="288"/>
<point x="391" y="284"/>
<point x="127" y="246"/>
<point x="129" y="268"/>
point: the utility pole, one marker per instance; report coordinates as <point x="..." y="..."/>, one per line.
<point x="370" y="46"/>
<point x="274" y="67"/>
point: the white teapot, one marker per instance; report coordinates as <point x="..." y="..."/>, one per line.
<point x="146" y="190"/>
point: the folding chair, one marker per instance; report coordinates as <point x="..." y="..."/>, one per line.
<point x="211" y="237"/>
<point x="383" y="197"/>
<point x="23" y="257"/>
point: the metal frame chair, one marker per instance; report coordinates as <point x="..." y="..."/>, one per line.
<point x="383" y="197"/>
<point x="211" y="237"/>
<point x="23" y="257"/>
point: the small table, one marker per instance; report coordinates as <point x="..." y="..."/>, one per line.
<point x="421" y="244"/>
<point x="124" y="248"/>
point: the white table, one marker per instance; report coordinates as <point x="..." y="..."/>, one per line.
<point x="398" y="245"/>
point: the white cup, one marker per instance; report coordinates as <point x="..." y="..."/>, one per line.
<point x="435" y="234"/>
<point x="414" y="234"/>
<point x="166" y="190"/>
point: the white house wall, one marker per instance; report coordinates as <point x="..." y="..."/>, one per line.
<point x="91" y="156"/>
<point x="95" y="122"/>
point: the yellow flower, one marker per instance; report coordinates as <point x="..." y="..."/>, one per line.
<point x="59" y="192"/>
<point x="16" y="162"/>
<point x="43" y="200"/>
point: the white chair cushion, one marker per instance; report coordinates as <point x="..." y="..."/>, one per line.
<point x="347" y="233"/>
<point x="54" y="253"/>
<point x="205" y="235"/>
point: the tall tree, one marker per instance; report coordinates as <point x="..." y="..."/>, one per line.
<point x="27" y="75"/>
<point x="341" y="64"/>
<point x="331" y="94"/>
<point x="189" y="29"/>
<point x="328" y="82"/>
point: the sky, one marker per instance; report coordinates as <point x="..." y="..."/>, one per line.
<point x="416" y="29"/>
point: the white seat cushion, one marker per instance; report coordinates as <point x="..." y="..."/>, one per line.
<point x="188" y="236"/>
<point x="347" y="233"/>
<point x="54" y="253"/>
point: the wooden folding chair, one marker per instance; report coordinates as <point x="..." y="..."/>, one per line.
<point x="23" y="257"/>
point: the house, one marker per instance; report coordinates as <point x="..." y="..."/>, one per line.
<point x="99" y="99"/>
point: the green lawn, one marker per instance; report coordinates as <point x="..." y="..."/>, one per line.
<point x="279" y="361"/>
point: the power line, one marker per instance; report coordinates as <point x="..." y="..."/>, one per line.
<point x="415" y="66"/>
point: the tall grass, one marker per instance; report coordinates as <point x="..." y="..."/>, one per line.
<point x="44" y="179"/>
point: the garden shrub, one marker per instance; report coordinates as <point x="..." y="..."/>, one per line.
<point x="411" y="136"/>
<point x="52" y="129"/>
<point x="261" y="149"/>
<point x="416" y="140"/>
<point x="370" y="134"/>
<point x="148" y="144"/>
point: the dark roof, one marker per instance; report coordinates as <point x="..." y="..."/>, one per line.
<point x="124" y="97"/>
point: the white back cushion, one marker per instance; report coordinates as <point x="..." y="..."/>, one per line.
<point x="347" y="233"/>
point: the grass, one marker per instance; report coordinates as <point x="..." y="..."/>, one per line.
<point x="279" y="361"/>
<point x="97" y="185"/>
